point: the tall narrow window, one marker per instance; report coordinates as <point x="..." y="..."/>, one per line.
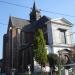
<point x="63" y="36"/>
<point x="23" y="38"/>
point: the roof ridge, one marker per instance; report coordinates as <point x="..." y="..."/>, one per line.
<point x="19" y="18"/>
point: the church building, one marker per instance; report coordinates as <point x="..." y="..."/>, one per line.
<point x="17" y="42"/>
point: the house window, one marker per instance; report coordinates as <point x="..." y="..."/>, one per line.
<point x="63" y="36"/>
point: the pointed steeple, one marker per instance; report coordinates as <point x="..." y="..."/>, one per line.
<point x="34" y="7"/>
<point x="35" y="13"/>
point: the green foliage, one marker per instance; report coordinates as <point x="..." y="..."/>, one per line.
<point x="40" y="52"/>
<point x="53" y="59"/>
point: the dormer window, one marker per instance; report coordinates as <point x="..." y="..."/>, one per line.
<point x="62" y="35"/>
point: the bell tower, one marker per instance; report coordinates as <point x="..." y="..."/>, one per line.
<point x="35" y="14"/>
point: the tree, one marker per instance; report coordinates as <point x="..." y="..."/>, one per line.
<point x="53" y="60"/>
<point x="40" y="52"/>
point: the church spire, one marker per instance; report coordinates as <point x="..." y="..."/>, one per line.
<point x="35" y="13"/>
<point x="34" y="7"/>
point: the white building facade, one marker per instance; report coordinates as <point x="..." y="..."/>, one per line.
<point x="59" y="35"/>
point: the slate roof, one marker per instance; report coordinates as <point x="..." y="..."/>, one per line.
<point x="65" y="21"/>
<point x="26" y="25"/>
<point x="41" y="22"/>
<point x="19" y="23"/>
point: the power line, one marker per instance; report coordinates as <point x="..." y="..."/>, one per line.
<point x="40" y="9"/>
<point x="57" y="13"/>
<point x="14" y="4"/>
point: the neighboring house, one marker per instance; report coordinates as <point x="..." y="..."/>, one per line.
<point x="17" y="49"/>
<point x="59" y="34"/>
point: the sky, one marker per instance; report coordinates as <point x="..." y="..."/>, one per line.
<point x="65" y="7"/>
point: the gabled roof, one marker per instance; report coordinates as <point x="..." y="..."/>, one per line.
<point x="26" y="25"/>
<point x="18" y="22"/>
<point x="62" y="21"/>
<point x="33" y="26"/>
